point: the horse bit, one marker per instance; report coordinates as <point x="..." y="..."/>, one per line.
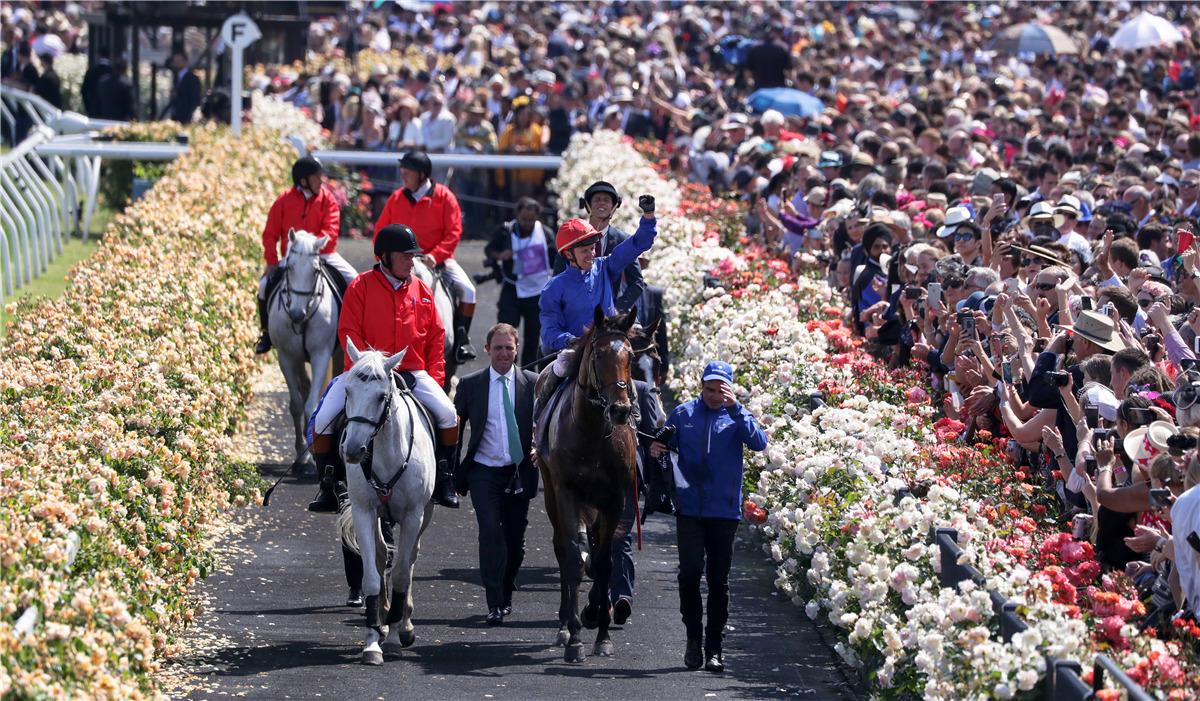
<point x="384" y="490"/>
<point x="600" y="401"/>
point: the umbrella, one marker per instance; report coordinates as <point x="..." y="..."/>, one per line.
<point x="1145" y="31"/>
<point x="789" y="101"/>
<point x="1030" y="38"/>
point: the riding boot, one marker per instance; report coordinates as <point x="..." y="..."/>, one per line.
<point x="443" y="486"/>
<point x="326" y="500"/>
<point x="264" y="341"/>
<point x="463" y="352"/>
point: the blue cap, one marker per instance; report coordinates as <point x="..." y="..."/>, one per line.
<point x="1085" y="212"/>
<point x="718" y="370"/>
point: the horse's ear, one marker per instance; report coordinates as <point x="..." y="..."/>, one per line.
<point x="352" y="351"/>
<point x="598" y="318"/>
<point x="320" y="244"/>
<point x="291" y="236"/>
<point x="626" y="322"/>
<point x="652" y="330"/>
<point x="393" y="361"/>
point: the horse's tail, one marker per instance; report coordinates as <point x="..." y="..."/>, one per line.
<point x="345" y="528"/>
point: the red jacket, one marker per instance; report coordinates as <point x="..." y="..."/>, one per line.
<point x="378" y="317"/>
<point x="319" y="216"/>
<point x="435" y="219"/>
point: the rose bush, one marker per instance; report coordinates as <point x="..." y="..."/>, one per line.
<point x="846" y="494"/>
<point x="117" y="405"/>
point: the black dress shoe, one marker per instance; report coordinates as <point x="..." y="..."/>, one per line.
<point x="496" y="616"/>
<point x="622" y="610"/>
<point x="506" y="609"/>
<point x="692" y="657"/>
<point x="715" y="663"/>
<point x="264" y="343"/>
<point x="354" y="598"/>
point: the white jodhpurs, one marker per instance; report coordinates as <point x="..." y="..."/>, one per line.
<point x="426" y="390"/>
<point x="453" y="273"/>
<point x="335" y="261"/>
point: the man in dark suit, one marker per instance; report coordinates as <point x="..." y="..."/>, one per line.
<point x="186" y="92"/>
<point x="114" y="98"/>
<point x="650" y="311"/>
<point x="601" y="201"/>
<point x="497" y="470"/>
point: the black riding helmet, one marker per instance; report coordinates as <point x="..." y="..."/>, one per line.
<point x="418" y="161"/>
<point x="305" y="167"/>
<point x="396" y="238"/>
<point x="600" y="186"/>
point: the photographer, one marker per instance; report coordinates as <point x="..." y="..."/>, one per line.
<point x="522" y="260"/>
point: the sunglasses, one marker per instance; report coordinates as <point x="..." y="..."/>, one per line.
<point x="964" y="236"/>
<point x="1045" y="286"/>
<point x="1145" y="303"/>
<point x="1188" y="185"/>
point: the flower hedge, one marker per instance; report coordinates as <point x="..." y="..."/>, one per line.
<point x="845" y="495"/>
<point x="117" y="405"/>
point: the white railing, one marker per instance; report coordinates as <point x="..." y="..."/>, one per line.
<point x="41" y="193"/>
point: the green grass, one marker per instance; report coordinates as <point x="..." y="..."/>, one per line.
<point x="52" y="283"/>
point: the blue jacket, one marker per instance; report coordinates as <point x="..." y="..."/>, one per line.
<point x="710" y="443"/>
<point x="569" y="301"/>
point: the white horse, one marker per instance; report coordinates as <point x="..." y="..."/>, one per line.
<point x="388" y="425"/>
<point x="303" y="328"/>
<point x="443" y="301"/>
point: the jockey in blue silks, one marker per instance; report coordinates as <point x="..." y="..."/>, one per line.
<point x="569" y="300"/>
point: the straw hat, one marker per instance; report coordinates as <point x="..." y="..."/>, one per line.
<point x="1143" y="444"/>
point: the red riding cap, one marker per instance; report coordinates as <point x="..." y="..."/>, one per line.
<point x="574" y="232"/>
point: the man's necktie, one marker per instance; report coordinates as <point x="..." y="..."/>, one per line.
<point x="510" y="417"/>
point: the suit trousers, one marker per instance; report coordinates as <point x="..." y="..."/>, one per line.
<point x="513" y="310"/>
<point x="701" y="540"/>
<point x="502" y="520"/>
<point x="621" y="584"/>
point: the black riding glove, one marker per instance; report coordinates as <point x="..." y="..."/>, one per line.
<point x="646" y="203"/>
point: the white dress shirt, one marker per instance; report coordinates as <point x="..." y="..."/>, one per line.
<point x="493" y="446"/>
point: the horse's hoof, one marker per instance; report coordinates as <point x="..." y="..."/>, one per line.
<point x="391" y="649"/>
<point x="407" y="639"/>
<point x="603" y="648"/>
<point x="575" y="654"/>
<point x="563" y="637"/>
<point x="373" y="658"/>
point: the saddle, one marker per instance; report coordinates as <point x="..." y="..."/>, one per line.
<point x="542" y="420"/>
<point x="336" y="283"/>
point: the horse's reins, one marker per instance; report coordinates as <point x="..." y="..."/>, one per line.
<point x="384" y="490"/>
<point x="300" y="328"/>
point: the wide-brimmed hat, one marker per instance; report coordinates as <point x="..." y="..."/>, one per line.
<point x="1041" y="211"/>
<point x="1068" y="206"/>
<point x="954" y="217"/>
<point x="1145" y="443"/>
<point x="1097" y="328"/>
<point x="621" y="94"/>
<point x="1037" y="251"/>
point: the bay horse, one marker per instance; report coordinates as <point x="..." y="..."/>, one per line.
<point x="390" y="465"/>
<point x="587" y="467"/>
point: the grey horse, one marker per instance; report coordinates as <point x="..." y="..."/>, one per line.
<point x="303" y="326"/>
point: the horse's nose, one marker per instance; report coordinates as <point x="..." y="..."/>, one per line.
<point x="354" y="454"/>
<point x="619" y="413"/>
<point x="297" y="315"/>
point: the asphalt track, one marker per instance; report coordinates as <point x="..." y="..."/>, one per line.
<point x="276" y="626"/>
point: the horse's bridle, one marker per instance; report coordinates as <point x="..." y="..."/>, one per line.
<point x="599" y="400"/>
<point x="384" y="489"/>
<point x="300" y="327"/>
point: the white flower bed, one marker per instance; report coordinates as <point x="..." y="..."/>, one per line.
<point x="845" y="548"/>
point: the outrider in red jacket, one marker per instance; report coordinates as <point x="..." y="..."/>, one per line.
<point x="377" y="316"/>
<point x="319" y="216"/>
<point x="435" y="218"/>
